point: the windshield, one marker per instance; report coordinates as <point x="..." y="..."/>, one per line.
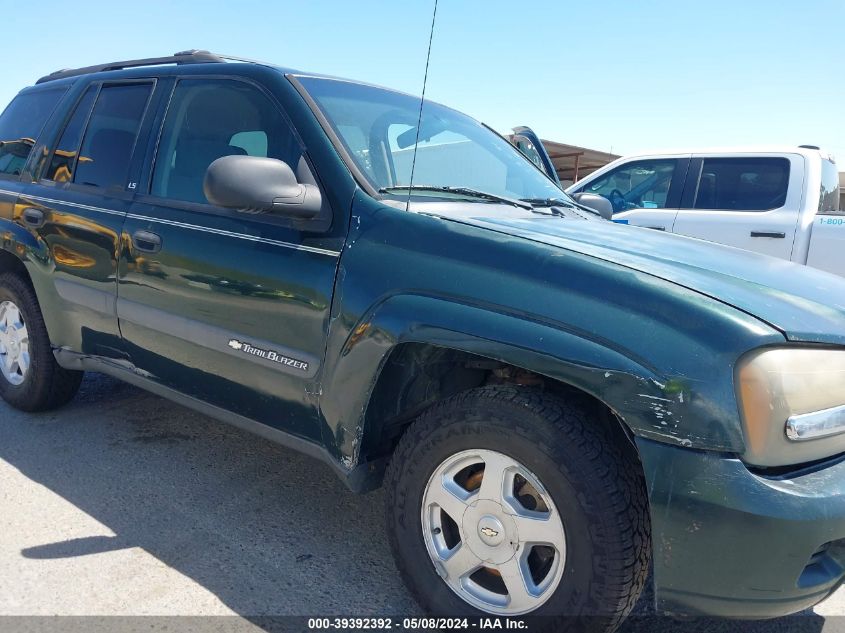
<point x="378" y="128"/>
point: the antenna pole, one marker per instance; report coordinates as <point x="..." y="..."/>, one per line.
<point x="422" y="100"/>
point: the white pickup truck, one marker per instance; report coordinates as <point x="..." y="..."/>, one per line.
<point x="781" y="201"/>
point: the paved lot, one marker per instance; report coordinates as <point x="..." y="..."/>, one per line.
<point x="125" y="504"/>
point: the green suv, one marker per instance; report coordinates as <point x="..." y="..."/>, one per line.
<point x="557" y="405"/>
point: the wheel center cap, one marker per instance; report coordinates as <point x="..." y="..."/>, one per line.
<point x="491" y="530"/>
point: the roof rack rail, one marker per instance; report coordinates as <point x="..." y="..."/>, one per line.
<point x="809" y="146"/>
<point x="184" y="57"/>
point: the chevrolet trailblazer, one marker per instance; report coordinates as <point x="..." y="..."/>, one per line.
<point x="555" y="403"/>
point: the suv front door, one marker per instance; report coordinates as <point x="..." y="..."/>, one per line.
<point x="643" y="192"/>
<point x="228" y="307"/>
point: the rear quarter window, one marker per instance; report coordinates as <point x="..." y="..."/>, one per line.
<point x="21" y="124"/>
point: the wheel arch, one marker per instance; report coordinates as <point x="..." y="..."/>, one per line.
<point x="13" y="263"/>
<point x="413" y="350"/>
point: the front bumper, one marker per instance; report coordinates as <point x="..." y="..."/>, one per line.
<point x="728" y="542"/>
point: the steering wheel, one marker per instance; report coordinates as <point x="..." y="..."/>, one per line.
<point x="617" y="200"/>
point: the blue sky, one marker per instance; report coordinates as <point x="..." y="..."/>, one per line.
<point x="616" y="74"/>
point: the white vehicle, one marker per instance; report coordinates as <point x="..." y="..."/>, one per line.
<point x="782" y="201"/>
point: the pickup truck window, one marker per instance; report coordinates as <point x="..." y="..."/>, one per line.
<point x="742" y="184"/>
<point x="829" y="198"/>
<point x="63" y="162"/>
<point x="378" y="129"/>
<point x="20" y="125"/>
<point x="642" y="184"/>
<point x="110" y="136"/>
<point x="211" y="118"/>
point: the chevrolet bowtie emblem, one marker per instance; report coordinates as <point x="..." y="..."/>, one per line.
<point x="489" y="532"/>
<point x="235" y="344"/>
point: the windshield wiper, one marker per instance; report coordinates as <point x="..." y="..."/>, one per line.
<point x="559" y="202"/>
<point x="461" y="191"/>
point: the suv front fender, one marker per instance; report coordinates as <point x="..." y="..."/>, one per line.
<point x="654" y="406"/>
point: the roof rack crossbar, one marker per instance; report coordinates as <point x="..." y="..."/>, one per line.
<point x="184" y="57"/>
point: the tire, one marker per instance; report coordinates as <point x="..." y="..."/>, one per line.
<point x="585" y="465"/>
<point x="43" y="385"/>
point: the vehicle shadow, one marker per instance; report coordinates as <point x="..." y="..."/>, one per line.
<point x="268" y="531"/>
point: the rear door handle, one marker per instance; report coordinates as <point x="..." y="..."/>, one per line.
<point x="774" y="234"/>
<point x="146" y="241"/>
<point x="33" y="217"/>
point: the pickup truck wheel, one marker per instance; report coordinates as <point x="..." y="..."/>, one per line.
<point x="30" y="378"/>
<point x="512" y="502"/>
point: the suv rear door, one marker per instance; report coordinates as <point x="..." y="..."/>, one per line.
<point x="750" y="201"/>
<point x="21" y="124"/>
<point x="228" y="307"/>
<point x="643" y="191"/>
<point x="77" y="205"/>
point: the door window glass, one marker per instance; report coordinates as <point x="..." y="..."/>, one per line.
<point x="211" y="118"/>
<point x="110" y="136"/>
<point x="20" y="125"/>
<point x="64" y="157"/>
<point x="638" y="185"/>
<point x="742" y="184"/>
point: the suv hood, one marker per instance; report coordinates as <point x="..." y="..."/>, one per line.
<point x="805" y="304"/>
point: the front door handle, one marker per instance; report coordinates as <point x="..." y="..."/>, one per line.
<point x="774" y="234"/>
<point x="655" y="228"/>
<point x="146" y="242"/>
<point x="33" y="217"/>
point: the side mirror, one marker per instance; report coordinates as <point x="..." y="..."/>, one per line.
<point x="260" y="185"/>
<point x="595" y="202"/>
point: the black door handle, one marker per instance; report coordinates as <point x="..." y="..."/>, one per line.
<point x="33" y="217"/>
<point x="655" y="228"/>
<point x="768" y="234"/>
<point x="146" y="241"/>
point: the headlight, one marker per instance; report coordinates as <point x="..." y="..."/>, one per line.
<point x="793" y="405"/>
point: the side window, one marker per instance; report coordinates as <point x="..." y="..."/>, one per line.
<point x="641" y="184"/>
<point x="20" y="125"/>
<point x="110" y="136"/>
<point x="742" y="184"/>
<point x="64" y="156"/>
<point x="211" y="118"/>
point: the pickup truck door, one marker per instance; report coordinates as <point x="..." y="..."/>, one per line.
<point x="748" y="201"/>
<point x="644" y="192"/>
<point x="228" y="307"/>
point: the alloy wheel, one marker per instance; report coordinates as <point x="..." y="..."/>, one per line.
<point x="493" y="532"/>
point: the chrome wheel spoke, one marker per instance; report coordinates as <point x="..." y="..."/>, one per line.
<point x="517" y="579"/>
<point x="23" y="363"/>
<point x="448" y="501"/>
<point x="538" y="531"/>
<point x="8" y="363"/>
<point x="496" y="466"/>
<point x="462" y="562"/>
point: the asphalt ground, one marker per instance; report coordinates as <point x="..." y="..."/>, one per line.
<point x="124" y="504"/>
